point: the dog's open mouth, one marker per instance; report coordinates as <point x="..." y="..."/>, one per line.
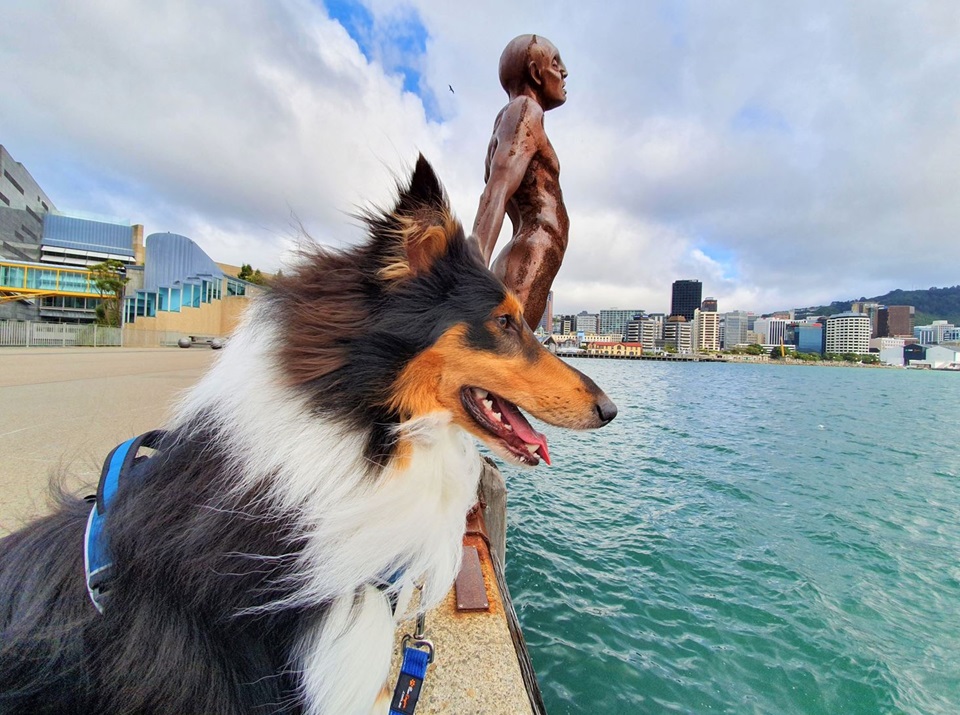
<point x="504" y="421"/>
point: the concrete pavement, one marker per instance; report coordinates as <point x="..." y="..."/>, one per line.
<point x="63" y="409"/>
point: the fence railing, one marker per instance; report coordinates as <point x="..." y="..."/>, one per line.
<point x="25" y="334"/>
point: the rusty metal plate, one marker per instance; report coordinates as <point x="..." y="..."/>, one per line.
<point x="470" y="588"/>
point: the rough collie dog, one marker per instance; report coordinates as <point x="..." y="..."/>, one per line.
<point x="322" y="467"/>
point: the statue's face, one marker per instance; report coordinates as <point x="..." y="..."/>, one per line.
<point x="553" y="74"/>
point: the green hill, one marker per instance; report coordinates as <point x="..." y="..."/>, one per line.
<point x="930" y="304"/>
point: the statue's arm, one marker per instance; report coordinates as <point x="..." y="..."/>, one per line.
<point x="518" y="137"/>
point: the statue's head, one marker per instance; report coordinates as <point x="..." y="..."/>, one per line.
<point x="532" y="62"/>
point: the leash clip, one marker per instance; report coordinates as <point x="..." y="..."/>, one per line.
<point x="418" y="642"/>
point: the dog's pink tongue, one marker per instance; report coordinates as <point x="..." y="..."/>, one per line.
<point x="523" y="429"/>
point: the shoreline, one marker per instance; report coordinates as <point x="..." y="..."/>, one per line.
<point x="751" y="360"/>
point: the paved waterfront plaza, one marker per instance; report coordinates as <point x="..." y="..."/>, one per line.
<point x="64" y="409"/>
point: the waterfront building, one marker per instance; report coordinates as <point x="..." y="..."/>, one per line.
<point x="587" y="338"/>
<point x="895" y="321"/>
<point x="678" y="333"/>
<point x="915" y="351"/>
<point x="881" y="344"/>
<point x="705" y="335"/>
<point x="772" y="330"/>
<point x="614" y="320"/>
<point x="754" y="338"/>
<point x="808" y="337"/>
<point x="892" y="356"/>
<point x="651" y="334"/>
<point x="735" y="327"/>
<point x="588" y="323"/>
<point x="941" y="357"/>
<point x="615" y="349"/>
<point x="933" y="334"/>
<point x="686" y="298"/>
<point x="565" y="325"/>
<point x="848" y="333"/>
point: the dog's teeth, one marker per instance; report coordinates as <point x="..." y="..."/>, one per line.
<point x="481" y="394"/>
<point x="532" y="448"/>
<point x="496" y="416"/>
<point x="508" y="428"/>
<point x="488" y="404"/>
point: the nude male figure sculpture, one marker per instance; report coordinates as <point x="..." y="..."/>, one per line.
<point x="523" y="176"/>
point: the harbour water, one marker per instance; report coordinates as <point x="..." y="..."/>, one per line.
<point x="746" y="539"/>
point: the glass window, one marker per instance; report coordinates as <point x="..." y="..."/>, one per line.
<point x="11" y="276"/>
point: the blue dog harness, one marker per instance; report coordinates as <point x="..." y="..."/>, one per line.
<point x="99" y="569"/>
<point x="97" y="559"/>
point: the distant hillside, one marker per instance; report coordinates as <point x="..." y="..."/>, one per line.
<point x="930" y="304"/>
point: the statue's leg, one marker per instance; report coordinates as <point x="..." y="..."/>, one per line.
<point x="527" y="266"/>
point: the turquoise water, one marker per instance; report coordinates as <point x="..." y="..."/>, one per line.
<point x="746" y="539"/>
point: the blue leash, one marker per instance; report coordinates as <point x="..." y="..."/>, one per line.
<point x="413" y="670"/>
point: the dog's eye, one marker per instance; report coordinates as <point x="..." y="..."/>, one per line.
<point x="504" y="321"/>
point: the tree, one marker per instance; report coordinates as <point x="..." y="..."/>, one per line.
<point x="247" y="273"/>
<point x="110" y="279"/>
<point x="776" y="352"/>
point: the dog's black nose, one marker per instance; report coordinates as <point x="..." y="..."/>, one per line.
<point x="606" y="409"/>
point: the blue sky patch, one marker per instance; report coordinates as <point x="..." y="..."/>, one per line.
<point x="398" y="41"/>
<point x="755" y="117"/>
<point x="724" y="257"/>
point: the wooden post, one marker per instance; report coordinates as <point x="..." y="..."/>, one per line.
<point x="493" y="492"/>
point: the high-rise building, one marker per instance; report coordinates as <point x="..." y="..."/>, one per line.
<point x="650" y="334"/>
<point x="706" y="331"/>
<point x="773" y="330"/>
<point x="686" y="298"/>
<point x="678" y="333"/>
<point x="808" y="337"/>
<point x="613" y="321"/>
<point x="709" y="305"/>
<point x="848" y="333"/>
<point x="895" y="321"/>
<point x="588" y="323"/>
<point x="871" y="310"/>
<point x="735" y="327"/>
<point x="546" y="321"/>
<point x="566" y="324"/>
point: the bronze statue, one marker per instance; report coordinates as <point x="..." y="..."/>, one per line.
<point x="523" y="176"/>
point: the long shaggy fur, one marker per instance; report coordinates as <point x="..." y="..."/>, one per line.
<point x="254" y="551"/>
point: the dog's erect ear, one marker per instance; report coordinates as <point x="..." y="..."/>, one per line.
<point x="424" y="190"/>
<point x="424" y="223"/>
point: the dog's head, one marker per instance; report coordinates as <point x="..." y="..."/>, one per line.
<point x="413" y="323"/>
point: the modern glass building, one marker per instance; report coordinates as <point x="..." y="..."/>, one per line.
<point x="686" y="298"/>
<point x="613" y="321"/>
<point x="735" y="327"/>
<point x="809" y="337"/>
<point x="178" y="274"/>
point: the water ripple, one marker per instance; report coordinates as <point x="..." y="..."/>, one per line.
<point x="715" y="550"/>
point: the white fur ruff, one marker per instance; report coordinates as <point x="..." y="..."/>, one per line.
<point x="359" y="529"/>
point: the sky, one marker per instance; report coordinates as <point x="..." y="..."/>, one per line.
<point x="785" y="154"/>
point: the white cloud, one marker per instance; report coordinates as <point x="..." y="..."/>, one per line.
<point x="812" y="145"/>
